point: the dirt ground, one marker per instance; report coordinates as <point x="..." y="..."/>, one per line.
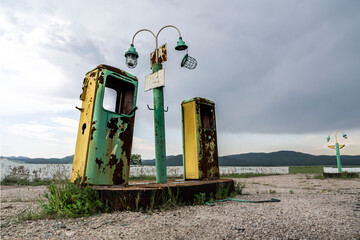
<point x="309" y="209"/>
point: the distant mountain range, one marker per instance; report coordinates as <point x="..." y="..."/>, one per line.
<point x="65" y="160"/>
<point x="281" y="158"/>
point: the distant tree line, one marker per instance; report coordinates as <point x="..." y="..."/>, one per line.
<point x="281" y="158"/>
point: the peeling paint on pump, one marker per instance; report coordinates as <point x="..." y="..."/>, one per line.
<point x="199" y="139"/>
<point x="103" y="158"/>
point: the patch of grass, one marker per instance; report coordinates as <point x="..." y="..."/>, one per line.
<point x="238" y="188"/>
<point x="72" y="200"/>
<point x="170" y="199"/>
<point x="9" y="180"/>
<point x="305" y="169"/>
<point x="67" y="200"/>
<point x="158" y="199"/>
<point x="221" y="193"/>
<point x="291" y="191"/>
<point x="246" y="175"/>
<point x="272" y="191"/>
<point x="200" y="198"/>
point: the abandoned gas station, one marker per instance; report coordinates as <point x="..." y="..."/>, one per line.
<point x="105" y="133"/>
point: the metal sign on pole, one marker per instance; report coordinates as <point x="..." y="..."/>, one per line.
<point x="161" y="55"/>
<point x="155" y="80"/>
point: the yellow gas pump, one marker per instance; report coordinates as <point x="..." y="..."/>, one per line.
<point x="200" y="153"/>
<point x="105" y="133"/>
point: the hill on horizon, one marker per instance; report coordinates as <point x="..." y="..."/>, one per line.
<point x="280" y="158"/>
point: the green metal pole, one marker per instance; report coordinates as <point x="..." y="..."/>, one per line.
<point x="338" y="157"/>
<point x="159" y="127"/>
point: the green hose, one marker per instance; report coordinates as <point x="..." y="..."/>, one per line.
<point x="240" y="200"/>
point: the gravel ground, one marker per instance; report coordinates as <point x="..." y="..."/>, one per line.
<point x="309" y="209"/>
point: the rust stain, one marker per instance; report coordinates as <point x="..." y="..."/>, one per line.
<point x="101" y="79"/>
<point x="99" y="162"/>
<point x="112" y="125"/>
<point x="126" y="136"/>
<point x="101" y="67"/>
<point x="113" y="160"/>
<point x="117" y="176"/>
<point x="93" y="74"/>
<point x="208" y="164"/>
<point x="93" y="129"/>
<point x="208" y="152"/>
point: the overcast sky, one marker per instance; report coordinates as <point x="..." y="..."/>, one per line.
<point x="282" y="74"/>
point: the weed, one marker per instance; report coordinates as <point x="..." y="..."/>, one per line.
<point x="291" y="192"/>
<point x="211" y="197"/>
<point x="169" y="199"/>
<point x="123" y="203"/>
<point x="238" y="188"/>
<point x="31" y="214"/>
<point x="222" y="192"/>
<point x="152" y="201"/>
<point x="137" y="199"/>
<point x="272" y="191"/>
<point x="72" y="200"/>
<point x="67" y="200"/>
<point x="200" y="198"/>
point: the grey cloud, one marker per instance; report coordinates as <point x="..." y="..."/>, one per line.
<point x="270" y="66"/>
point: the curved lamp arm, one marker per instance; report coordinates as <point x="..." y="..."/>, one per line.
<point x="335" y="134"/>
<point x="142" y="30"/>
<point x="156" y="38"/>
<point x="166" y="27"/>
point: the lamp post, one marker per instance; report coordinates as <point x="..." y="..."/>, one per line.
<point x="158" y="97"/>
<point x="337" y="147"/>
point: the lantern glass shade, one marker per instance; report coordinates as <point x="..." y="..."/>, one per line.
<point x="131" y="61"/>
<point x="131" y="57"/>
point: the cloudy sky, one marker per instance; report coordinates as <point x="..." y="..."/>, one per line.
<point x="282" y="74"/>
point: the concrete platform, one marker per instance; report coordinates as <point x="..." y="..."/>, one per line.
<point x="142" y="195"/>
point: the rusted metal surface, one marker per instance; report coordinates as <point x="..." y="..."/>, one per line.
<point x="208" y="160"/>
<point x="84" y="131"/>
<point x="199" y="128"/>
<point x="107" y="150"/>
<point x="112" y="139"/>
<point x="115" y="70"/>
<point x="161" y="55"/>
<point x="138" y="195"/>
